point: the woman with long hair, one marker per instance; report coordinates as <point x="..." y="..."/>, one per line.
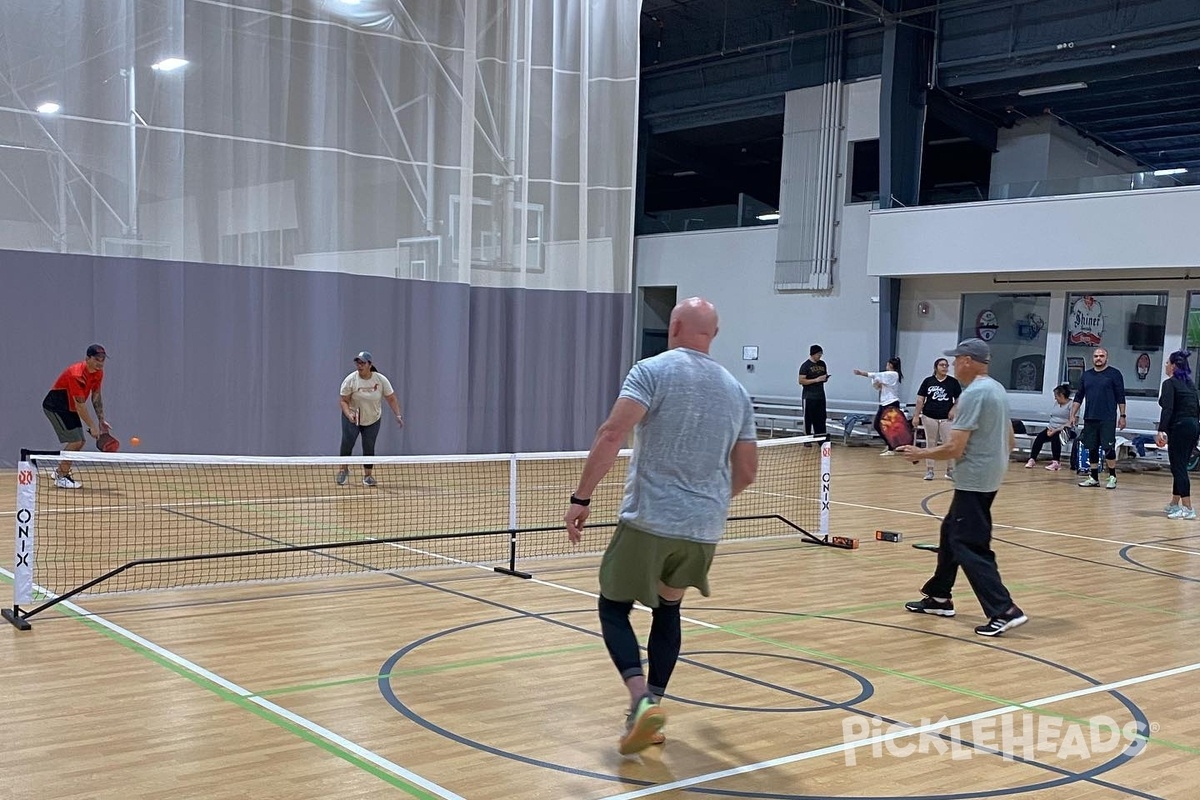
<point x="1179" y="430"/>
<point x="887" y="383"/>
<point x="935" y="411"/>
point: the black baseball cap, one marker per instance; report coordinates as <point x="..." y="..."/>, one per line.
<point x="96" y="350"/>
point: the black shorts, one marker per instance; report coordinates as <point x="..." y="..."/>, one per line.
<point x="1100" y="433"/>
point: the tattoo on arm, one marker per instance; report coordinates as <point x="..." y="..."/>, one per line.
<point x="98" y="403"/>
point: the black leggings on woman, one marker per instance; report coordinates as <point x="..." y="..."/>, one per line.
<point x="1039" y="440"/>
<point x="1181" y="441"/>
<point x="350" y="433"/>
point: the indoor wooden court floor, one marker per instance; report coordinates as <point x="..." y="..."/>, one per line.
<point x="801" y="677"/>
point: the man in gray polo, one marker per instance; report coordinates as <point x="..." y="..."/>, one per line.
<point x="980" y="441"/>
<point x="693" y="453"/>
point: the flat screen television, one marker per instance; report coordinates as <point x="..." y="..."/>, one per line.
<point x="1148" y="328"/>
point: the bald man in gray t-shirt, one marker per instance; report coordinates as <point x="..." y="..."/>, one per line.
<point x="694" y="451"/>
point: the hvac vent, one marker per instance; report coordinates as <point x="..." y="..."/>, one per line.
<point x="1092" y="156"/>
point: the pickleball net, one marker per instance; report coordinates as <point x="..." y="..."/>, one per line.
<point x="144" y="522"/>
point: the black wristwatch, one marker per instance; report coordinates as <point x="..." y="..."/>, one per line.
<point x="575" y="501"/>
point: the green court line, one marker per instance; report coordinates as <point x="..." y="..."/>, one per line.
<point x="399" y="673"/>
<point x="246" y="705"/>
<point x="740" y="630"/>
<point x="864" y="665"/>
<point x="910" y="567"/>
<point x="533" y="654"/>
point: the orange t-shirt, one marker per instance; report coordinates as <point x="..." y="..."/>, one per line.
<point x="74" y="386"/>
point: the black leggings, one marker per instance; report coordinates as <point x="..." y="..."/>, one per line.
<point x="1181" y="441"/>
<point x="1041" y="439"/>
<point x="350" y="433"/>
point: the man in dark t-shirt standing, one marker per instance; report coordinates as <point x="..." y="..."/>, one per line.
<point x="813" y="375"/>
<point x="1104" y="389"/>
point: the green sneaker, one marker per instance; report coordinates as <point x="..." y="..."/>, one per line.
<point x="1111" y="483"/>
<point x="642" y="727"/>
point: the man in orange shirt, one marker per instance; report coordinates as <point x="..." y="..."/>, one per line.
<point x="66" y="408"/>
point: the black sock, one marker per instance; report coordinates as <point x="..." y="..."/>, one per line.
<point x="619" y="638"/>
<point x="1095" y="474"/>
<point x="1112" y="471"/>
<point x="666" y="637"/>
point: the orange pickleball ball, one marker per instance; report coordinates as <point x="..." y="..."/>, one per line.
<point x="135" y="441"/>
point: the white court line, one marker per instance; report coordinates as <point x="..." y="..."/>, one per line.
<point x="538" y="581"/>
<point x="308" y="725"/>
<point x="1031" y="530"/>
<point x="887" y="737"/>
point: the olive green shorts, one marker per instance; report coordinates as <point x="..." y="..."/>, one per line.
<point x="636" y="561"/>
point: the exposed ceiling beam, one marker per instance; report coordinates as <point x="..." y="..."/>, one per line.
<point x="841" y="6"/>
<point x="1187" y="114"/>
<point x="1148" y="142"/>
<point x="1110" y="110"/>
<point x="878" y="10"/>
<point x="1191" y="128"/>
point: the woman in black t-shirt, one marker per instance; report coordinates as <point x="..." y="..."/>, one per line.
<point x="1179" y="430"/>
<point x="935" y="411"/>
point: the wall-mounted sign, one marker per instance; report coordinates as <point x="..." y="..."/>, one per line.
<point x="1085" y="325"/>
<point x="1143" y="366"/>
<point x="986" y="325"/>
<point x="750" y="352"/>
<point x="1030" y="326"/>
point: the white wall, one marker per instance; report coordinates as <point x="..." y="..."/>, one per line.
<point x="957" y="249"/>
<point x="1148" y="228"/>
<point x="736" y="269"/>
<point x="1042" y="149"/>
<point x="923" y="338"/>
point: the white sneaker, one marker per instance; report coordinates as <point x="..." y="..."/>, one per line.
<point x="1183" y="512"/>
<point x="888" y="453"/>
<point x="928" y="474"/>
<point x="1171" y="508"/>
<point x="66" y="482"/>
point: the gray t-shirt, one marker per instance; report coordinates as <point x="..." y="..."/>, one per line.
<point x="679" y="480"/>
<point x="983" y="410"/>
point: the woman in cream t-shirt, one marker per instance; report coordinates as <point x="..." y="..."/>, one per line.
<point x="362" y="395"/>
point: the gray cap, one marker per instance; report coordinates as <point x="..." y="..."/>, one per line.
<point x="977" y="349"/>
<point x="365" y="355"/>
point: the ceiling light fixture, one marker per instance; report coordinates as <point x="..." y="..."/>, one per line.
<point x="1058" y="87"/>
<point x="771" y="216"/>
<point x="684" y="173"/>
<point x="169" y="64"/>
<point x="1160" y="173"/>
<point x="49" y="108"/>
